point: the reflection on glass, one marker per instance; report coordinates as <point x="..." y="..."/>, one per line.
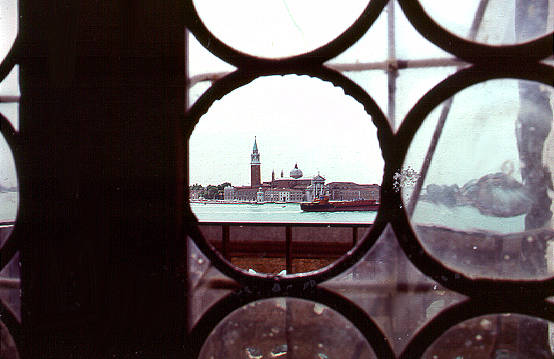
<point x="278" y="28"/>
<point x="286" y="150"/>
<point x="203" y="290"/>
<point x="285" y="328"/>
<point x="387" y="286"/>
<point x="502" y="21"/>
<point x="9" y="196"/>
<point x="203" y="68"/>
<point x="494" y="336"/>
<point x="8" y="349"/>
<point x="10" y="275"/>
<point x="412" y="84"/>
<point x="486" y="189"/>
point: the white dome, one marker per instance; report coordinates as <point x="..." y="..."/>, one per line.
<point x="295" y="172"/>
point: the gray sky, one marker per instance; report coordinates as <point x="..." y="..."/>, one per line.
<point x="482" y="119"/>
<point x="477" y="140"/>
<point x="297" y="119"/>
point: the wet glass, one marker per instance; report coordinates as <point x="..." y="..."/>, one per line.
<point x="206" y="284"/>
<point x="504" y="22"/>
<point x="495" y="336"/>
<point x="276" y="29"/>
<point x="485" y="205"/>
<point x="9" y="195"/>
<point x="392" y="291"/>
<point x="285" y="328"/>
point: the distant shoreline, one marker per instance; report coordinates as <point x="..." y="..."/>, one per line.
<point x="221" y="201"/>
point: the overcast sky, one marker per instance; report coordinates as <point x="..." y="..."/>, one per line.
<point x="298" y="119"/>
<point x="312" y="123"/>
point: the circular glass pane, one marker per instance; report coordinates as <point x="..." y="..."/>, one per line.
<point x="285" y="158"/>
<point x="8" y="26"/>
<point x="494" y="22"/>
<point x="9" y="194"/>
<point x="285" y="328"/>
<point x="485" y="205"/>
<point x="495" y="336"/>
<point x="278" y="28"/>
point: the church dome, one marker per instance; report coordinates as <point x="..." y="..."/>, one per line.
<point x="295" y="172"/>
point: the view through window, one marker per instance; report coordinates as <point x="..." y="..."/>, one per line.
<point x="451" y="126"/>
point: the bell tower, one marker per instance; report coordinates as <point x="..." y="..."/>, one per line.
<point x="255" y="177"/>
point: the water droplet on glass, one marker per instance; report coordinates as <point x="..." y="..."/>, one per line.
<point x="318" y="309"/>
<point x="253" y="353"/>
<point x="279" y="351"/>
<point x="486" y="324"/>
<point x="474" y="247"/>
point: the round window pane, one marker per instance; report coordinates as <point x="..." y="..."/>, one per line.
<point x="288" y="328"/>
<point x="285" y="159"/>
<point x="485" y="206"/>
<point x="275" y="29"/>
<point x="494" y="22"/>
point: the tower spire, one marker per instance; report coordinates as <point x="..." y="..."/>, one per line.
<point x="255" y="156"/>
<point x="255" y="175"/>
<point x="255" y="149"/>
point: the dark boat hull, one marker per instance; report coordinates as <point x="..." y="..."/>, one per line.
<point x="341" y="206"/>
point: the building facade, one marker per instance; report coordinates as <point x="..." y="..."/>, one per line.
<point x="295" y="188"/>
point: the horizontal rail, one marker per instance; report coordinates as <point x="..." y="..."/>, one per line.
<point x="10" y="283"/>
<point x="290" y="241"/>
<point x="285" y="224"/>
<point x="351" y="285"/>
<point x="379" y="65"/>
<point x="9" y="99"/>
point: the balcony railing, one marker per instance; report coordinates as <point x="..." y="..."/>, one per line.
<point x="299" y="246"/>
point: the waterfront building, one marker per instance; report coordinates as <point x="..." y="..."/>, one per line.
<point x="294" y="188"/>
<point x="230" y="193"/>
<point x="350" y="191"/>
<point x="316" y="189"/>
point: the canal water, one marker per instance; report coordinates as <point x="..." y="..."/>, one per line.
<point x="461" y="218"/>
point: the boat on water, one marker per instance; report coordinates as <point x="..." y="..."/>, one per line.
<point x="324" y="205"/>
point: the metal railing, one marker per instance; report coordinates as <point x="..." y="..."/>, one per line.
<point x="288" y="240"/>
